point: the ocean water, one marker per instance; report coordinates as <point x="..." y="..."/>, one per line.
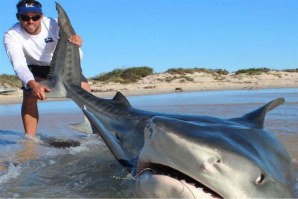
<point x="30" y="169"/>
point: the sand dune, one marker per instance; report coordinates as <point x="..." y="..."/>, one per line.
<point x="160" y="83"/>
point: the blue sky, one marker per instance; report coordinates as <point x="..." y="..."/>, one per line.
<point x="163" y="34"/>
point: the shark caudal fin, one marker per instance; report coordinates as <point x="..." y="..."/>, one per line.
<point x="256" y="118"/>
<point x="66" y="63"/>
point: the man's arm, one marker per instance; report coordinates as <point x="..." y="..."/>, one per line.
<point x="17" y="58"/>
<point x="14" y="51"/>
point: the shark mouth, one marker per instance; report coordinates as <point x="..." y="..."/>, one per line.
<point x="162" y="170"/>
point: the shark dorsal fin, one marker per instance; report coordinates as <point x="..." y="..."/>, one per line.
<point x="257" y="117"/>
<point x="119" y="98"/>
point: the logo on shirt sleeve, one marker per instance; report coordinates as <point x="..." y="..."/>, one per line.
<point x="48" y="40"/>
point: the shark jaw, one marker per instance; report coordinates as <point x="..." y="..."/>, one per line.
<point x="158" y="179"/>
<point x="165" y="182"/>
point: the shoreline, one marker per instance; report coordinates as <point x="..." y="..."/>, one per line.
<point x="16" y="97"/>
<point x="159" y="84"/>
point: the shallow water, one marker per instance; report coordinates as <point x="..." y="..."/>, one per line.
<point x="38" y="170"/>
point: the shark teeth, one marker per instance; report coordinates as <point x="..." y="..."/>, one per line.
<point x="158" y="169"/>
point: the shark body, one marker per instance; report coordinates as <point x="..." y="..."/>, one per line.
<point x="179" y="155"/>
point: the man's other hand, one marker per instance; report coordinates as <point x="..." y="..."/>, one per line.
<point x="76" y="39"/>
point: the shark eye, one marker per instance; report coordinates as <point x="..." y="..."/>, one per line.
<point x="260" y="179"/>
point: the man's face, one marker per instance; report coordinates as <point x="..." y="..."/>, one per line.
<point x="31" y="22"/>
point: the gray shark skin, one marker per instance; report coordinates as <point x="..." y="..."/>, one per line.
<point x="232" y="161"/>
<point x="226" y="158"/>
<point x="177" y="155"/>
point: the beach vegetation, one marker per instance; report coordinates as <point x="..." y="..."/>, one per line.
<point x="183" y="78"/>
<point x="128" y="75"/>
<point x="291" y="70"/>
<point x="219" y="78"/>
<point x="182" y="71"/>
<point x="253" y="71"/>
<point x="171" y="78"/>
<point x="9" y="81"/>
<point x="187" y="78"/>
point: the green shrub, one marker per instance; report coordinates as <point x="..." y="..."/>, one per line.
<point x="253" y="71"/>
<point x="291" y="70"/>
<point x="125" y="75"/>
<point x="182" y="71"/>
<point x="179" y="71"/>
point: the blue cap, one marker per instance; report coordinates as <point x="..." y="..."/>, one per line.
<point x="29" y="8"/>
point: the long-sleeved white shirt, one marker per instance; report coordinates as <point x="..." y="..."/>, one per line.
<point x="24" y="49"/>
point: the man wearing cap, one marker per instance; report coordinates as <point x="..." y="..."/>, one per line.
<point x="30" y="45"/>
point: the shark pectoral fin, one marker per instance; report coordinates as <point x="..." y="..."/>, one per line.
<point x="112" y="143"/>
<point x="84" y="126"/>
<point x="256" y="118"/>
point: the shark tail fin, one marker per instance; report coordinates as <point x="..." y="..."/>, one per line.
<point x="257" y="117"/>
<point x="66" y="63"/>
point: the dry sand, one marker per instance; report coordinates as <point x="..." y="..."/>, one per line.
<point x="167" y="83"/>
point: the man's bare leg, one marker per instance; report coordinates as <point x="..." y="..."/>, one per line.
<point x="30" y="114"/>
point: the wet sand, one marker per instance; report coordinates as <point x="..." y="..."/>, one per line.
<point x="290" y="142"/>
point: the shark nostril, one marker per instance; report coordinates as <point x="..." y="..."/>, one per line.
<point x="149" y="131"/>
<point x="260" y="179"/>
<point x="208" y="164"/>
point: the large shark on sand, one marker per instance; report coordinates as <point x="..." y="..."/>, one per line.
<point x="192" y="156"/>
<point x="179" y="156"/>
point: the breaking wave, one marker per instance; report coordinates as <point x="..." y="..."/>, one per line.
<point x="13" y="172"/>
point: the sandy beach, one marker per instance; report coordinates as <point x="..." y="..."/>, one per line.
<point x="168" y="83"/>
<point x="57" y="125"/>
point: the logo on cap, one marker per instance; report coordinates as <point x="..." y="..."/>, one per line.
<point x="29" y="6"/>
